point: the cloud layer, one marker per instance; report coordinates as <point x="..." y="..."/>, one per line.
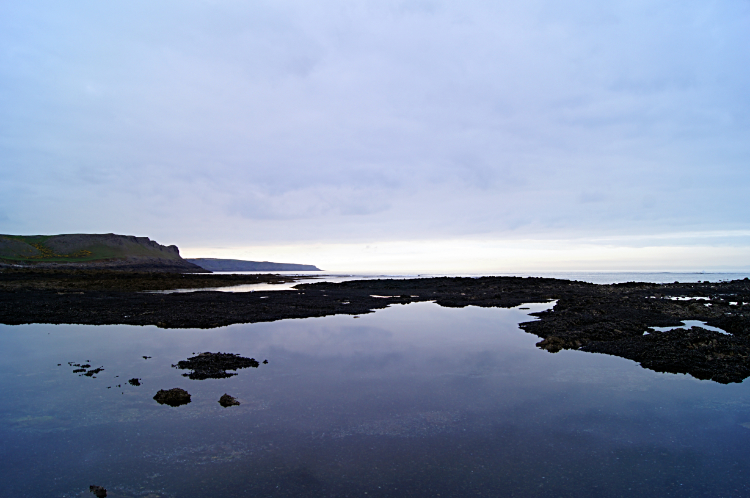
<point x="283" y="122"/>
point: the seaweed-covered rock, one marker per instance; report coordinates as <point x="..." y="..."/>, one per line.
<point x="704" y="354"/>
<point x="172" y="397"/>
<point x="610" y="319"/>
<point x="98" y="491"/>
<point x="214" y="365"/>
<point x="227" y="400"/>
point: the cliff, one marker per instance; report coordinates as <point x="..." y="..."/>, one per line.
<point x="213" y="264"/>
<point x="92" y="251"/>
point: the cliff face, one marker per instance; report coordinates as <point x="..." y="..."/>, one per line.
<point x="214" y="264"/>
<point x="96" y="251"/>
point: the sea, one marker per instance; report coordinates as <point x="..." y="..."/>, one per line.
<point x="413" y="400"/>
<point x="595" y="277"/>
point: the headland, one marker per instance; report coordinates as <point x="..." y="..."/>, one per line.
<point x="92" y="252"/>
<point x="216" y="264"/>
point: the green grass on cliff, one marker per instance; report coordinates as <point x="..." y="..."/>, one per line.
<point x="44" y="254"/>
<point x="37" y="249"/>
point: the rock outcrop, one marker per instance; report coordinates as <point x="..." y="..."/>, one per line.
<point x="172" y="397"/>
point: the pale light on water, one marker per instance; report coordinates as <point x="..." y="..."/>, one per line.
<point x="686" y="324"/>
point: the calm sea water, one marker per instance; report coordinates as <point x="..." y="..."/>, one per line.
<point x="597" y="277"/>
<point x="413" y="400"/>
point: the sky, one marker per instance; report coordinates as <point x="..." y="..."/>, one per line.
<point x="385" y="135"/>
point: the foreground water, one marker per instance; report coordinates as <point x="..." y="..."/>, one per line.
<point x="413" y="400"/>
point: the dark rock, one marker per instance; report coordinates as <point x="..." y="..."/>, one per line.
<point x="68" y="284"/>
<point x="93" y="372"/>
<point x="227" y="400"/>
<point x="214" y="365"/>
<point x="608" y="319"/>
<point x="172" y="397"/>
<point x="704" y="354"/>
<point x="554" y="344"/>
<point x="134" y="382"/>
<point x="98" y="491"/>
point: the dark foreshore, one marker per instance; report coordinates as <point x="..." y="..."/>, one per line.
<point x="611" y="319"/>
<point x="64" y="280"/>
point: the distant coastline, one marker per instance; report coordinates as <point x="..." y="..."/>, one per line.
<point x="216" y="264"/>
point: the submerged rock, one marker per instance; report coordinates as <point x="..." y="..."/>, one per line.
<point x="214" y="365"/>
<point x="227" y="400"/>
<point x="98" y="491"/>
<point x="172" y="397"/>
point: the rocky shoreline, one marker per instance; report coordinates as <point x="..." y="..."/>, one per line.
<point x="610" y="319"/>
<point x="67" y="280"/>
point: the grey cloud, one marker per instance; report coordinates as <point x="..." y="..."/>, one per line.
<point x="311" y="203"/>
<point x="591" y="197"/>
<point x="389" y="119"/>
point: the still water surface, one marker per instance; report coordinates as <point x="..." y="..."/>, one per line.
<point x="414" y="400"/>
<point x="595" y="277"/>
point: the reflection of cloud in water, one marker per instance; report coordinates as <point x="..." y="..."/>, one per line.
<point x="617" y="380"/>
<point x="123" y="492"/>
<point x="108" y="413"/>
<point x="431" y="328"/>
<point x="201" y="454"/>
<point x="687" y="324"/>
<point x="418" y="425"/>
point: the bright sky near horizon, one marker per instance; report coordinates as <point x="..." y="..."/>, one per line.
<point x="385" y="135"/>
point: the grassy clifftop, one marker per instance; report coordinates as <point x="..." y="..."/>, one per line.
<point x="88" y="248"/>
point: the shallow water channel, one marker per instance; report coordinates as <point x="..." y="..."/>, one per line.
<point x="414" y="400"/>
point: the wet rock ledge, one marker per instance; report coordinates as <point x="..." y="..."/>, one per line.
<point x="172" y="397"/>
<point x="612" y="319"/>
<point x="215" y="365"/>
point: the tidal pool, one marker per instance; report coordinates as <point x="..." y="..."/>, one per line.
<point x="414" y="400"/>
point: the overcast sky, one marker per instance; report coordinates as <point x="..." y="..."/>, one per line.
<point x="556" y="134"/>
